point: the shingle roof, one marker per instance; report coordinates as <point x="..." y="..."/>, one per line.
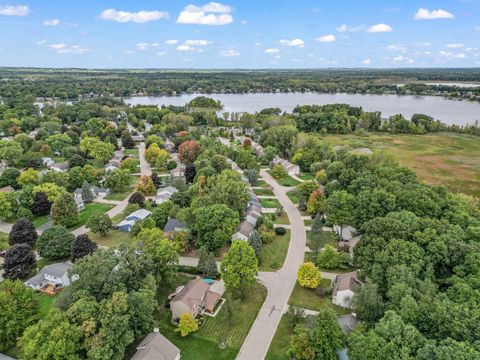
<point x="155" y="346"/>
<point x="173" y="224"/>
<point x="347" y="281"/>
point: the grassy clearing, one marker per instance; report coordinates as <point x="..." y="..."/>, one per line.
<point x="203" y="344"/>
<point x="321" y="239"/>
<point x="133" y="151"/>
<point x="261" y="183"/>
<point x="114" y="238"/>
<point x="450" y="159"/>
<point x="270" y="203"/>
<point x="309" y="298"/>
<point x="308" y="222"/>
<point x="40" y="220"/>
<point x="306" y="176"/>
<point x="89" y="210"/>
<point x="265" y="192"/>
<point x="282" y="219"/>
<point x="293" y="196"/>
<point x="286" y="181"/>
<point x="119" y="196"/>
<point x="274" y="254"/>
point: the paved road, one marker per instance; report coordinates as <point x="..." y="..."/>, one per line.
<point x="144" y="166"/>
<point x="279" y="284"/>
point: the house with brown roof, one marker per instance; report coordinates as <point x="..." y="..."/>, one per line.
<point x="344" y="287"/>
<point x="196" y="296"/>
<point x="155" y="346"/>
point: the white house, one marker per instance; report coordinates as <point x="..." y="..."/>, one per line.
<point x="55" y="275"/>
<point x="130" y="220"/>
<point x="244" y="230"/>
<point x="344" y="287"/>
<point x="164" y="194"/>
<point x="290" y="168"/>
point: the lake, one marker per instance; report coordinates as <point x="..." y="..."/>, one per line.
<point x="448" y="111"/>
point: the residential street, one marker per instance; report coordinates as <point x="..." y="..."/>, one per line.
<point x="279" y="284"/>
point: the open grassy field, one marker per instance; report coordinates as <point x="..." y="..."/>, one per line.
<point x="114" y="238"/>
<point x="270" y="203"/>
<point x="89" y="210"/>
<point x="450" y="159"/>
<point x="274" y="254"/>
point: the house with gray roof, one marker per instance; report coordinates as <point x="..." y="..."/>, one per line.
<point x="155" y="346"/>
<point x="130" y="220"/>
<point x="164" y="194"/>
<point x="174" y="225"/>
<point x="289" y="168"/>
<point x="55" y="275"/>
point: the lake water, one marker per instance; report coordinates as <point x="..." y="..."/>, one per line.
<point x="448" y="111"/>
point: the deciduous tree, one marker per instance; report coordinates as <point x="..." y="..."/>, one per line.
<point x="82" y="246"/>
<point x="309" y="276"/>
<point x="99" y="224"/>
<point x="19" y="261"/>
<point x="65" y="211"/>
<point x="23" y="232"/>
<point x="55" y="243"/>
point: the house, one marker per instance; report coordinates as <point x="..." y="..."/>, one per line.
<point x="179" y="171"/>
<point x="118" y="155"/>
<point x="99" y="192"/>
<point x="138" y="138"/>
<point x="32" y="134"/>
<point x="155" y="346"/>
<point x="244" y="230"/>
<point x="173" y="225"/>
<point x="5" y="357"/>
<point x="196" y="296"/>
<point x="289" y="168"/>
<point x="345" y="232"/>
<point x="77" y="195"/>
<point x="52" y="278"/>
<point x="253" y="213"/>
<point x="59" y="167"/>
<point x="7" y="189"/>
<point x="130" y="220"/>
<point x="169" y="145"/>
<point x="47" y="161"/>
<point x="111" y="166"/>
<point x="164" y="194"/>
<point x="344" y="287"/>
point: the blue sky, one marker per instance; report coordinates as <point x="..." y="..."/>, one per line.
<point x="240" y="34"/>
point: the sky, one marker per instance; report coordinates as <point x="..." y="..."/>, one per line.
<point x="240" y="34"/>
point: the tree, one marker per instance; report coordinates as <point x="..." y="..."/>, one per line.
<point x="53" y="191"/>
<point x="99" y="224"/>
<point x="7" y="205"/>
<point x="127" y="140"/>
<point x="145" y="185"/>
<point x="118" y="180"/>
<point x="206" y="263"/>
<point x="301" y="348"/>
<point x="129" y="164"/>
<point x="9" y="177"/>
<point x="76" y="161"/>
<point x="11" y="151"/>
<point x="55" y="243"/>
<point x="327" y="336"/>
<point x="281" y="137"/>
<point x="188" y="151"/>
<point x="278" y="172"/>
<point x="41" y="204"/>
<point x="317" y="224"/>
<point x="316" y="202"/>
<point x="309" y="276"/>
<point x="252" y="176"/>
<point x="23" y="232"/>
<point x="329" y="258"/>
<point x="215" y="225"/>
<point x="256" y="243"/>
<point x="239" y="266"/>
<point x="369" y="304"/>
<point x="137" y="198"/>
<point x="187" y="324"/>
<point x="65" y="211"/>
<point x="340" y="207"/>
<point x="28" y="177"/>
<point x="82" y="246"/>
<point x="161" y="251"/>
<point x="156" y="156"/>
<point x="161" y="213"/>
<point x="18" y="307"/>
<point x="97" y="149"/>
<point x="87" y="195"/>
<point x="190" y="173"/>
<point x="19" y="261"/>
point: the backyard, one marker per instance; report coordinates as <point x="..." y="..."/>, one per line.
<point x="89" y="210"/>
<point x="113" y="239"/>
<point x="321" y="239"/>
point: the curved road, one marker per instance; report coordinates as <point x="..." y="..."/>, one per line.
<point x="279" y="284"/>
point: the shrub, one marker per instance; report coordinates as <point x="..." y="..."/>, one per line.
<point x="280" y="231"/>
<point x="171" y="165"/>
<point x="309" y="276"/>
<point x="82" y="246"/>
<point x="24" y="213"/>
<point x="187" y="324"/>
<point x="278" y="172"/>
<point x="64" y="210"/>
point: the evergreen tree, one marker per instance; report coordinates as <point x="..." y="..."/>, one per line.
<point x="87" y="195"/>
<point x="190" y="173"/>
<point x="65" y="211"/>
<point x="302" y="204"/>
<point x="317" y="224"/>
<point x="41" y="204"/>
<point x="256" y="244"/>
<point x="207" y="264"/>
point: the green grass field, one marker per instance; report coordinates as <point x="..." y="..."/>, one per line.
<point x="119" y="196"/>
<point x="447" y="158"/>
<point x="89" y="210"/>
<point x="261" y="183"/>
<point x="39" y="220"/>
<point x="270" y="203"/>
<point x="274" y="254"/>
<point x="281" y="341"/>
<point x="306" y="176"/>
<point x="282" y="219"/>
<point x="286" y="181"/>
<point x="266" y="192"/>
<point x="203" y="344"/>
<point x="321" y="239"/>
<point x="113" y="239"/>
<point x="293" y="196"/>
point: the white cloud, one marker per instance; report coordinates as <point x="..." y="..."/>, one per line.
<point x="380" y="28"/>
<point x="425" y="14"/>
<point x="454" y="46"/>
<point x="142" y="46"/>
<point x="212" y="13"/>
<point x="14" y="10"/>
<point x="347" y="28"/>
<point x="161" y="53"/>
<point x="272" y="51"/>
<point x="229" y="53"/>
<point x="326" y="38"/>
<point x="196" y="42"/>
<point x="460" y="56"/>
<point x="52" y="22"/>
<point x="367" y="62"/>
<point x="68" y="49"/>
<point x="423" y="44"/>
<point x="171" y="42"/>
<point x="399" y="58"/>
<point x="293" y="42"/>
<point x="139" y="17"/>
<point x="399" y="48"/>
<point x="41" y="42"/>
<point x="185" y="48"/>
<point x="257" y="44"/>
<point x="477" y="28"/>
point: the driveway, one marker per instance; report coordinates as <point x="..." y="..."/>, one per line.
<point x="279" y="284"/>
<point x="144" y="165"/>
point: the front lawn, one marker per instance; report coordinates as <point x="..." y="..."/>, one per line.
<point x="40" y="220"/>
<point x="113" y="239"/>
<point x="306" y="176"/>
<point x="293" y="196"/>
<point x="133" y="151"/>
<point x="4" y="241"/>
<point x="89" y="210"/>
<point x="119" y="196"/>
<point x="266" y="192"/>
<point x="261" y="183"/>
<point x="321" y="239"/>
<point x="270" y="203"/>
<point x="309" y="299"/>
<point x="204" y="344"/>
<point x="308" y="222"/>
<point x="286" y="181"/>
<point x="274" y="254"/>
<point x="282" y="219"/>
<point x="281" y="341"/>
